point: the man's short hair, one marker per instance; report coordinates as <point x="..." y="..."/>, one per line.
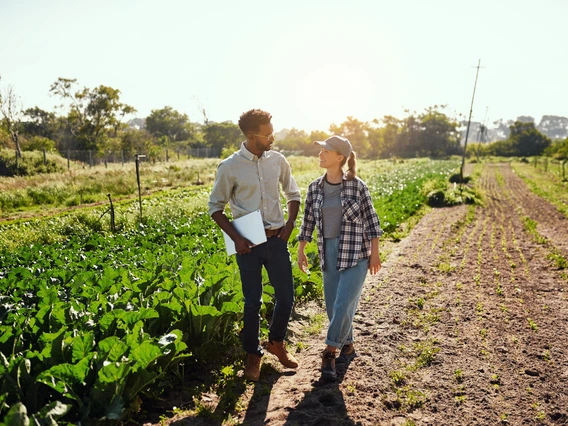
<point x="251" y="120"/>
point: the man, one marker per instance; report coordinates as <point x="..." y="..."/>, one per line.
<point x="249" y="180"/>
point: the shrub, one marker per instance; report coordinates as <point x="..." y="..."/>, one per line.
<point x="437" y="198"/>
<point x="454" y="195"/>
<point x="30" y="164"/>
<point x="38" y="143"/>
<point x="456" y="178"/>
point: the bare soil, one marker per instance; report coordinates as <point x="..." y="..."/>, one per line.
<point x="466" y="324"/>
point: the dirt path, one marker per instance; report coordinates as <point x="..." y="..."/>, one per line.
<point x="466" y="324"/>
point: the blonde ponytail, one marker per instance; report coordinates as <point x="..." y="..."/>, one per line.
<point x="351" y="165"/>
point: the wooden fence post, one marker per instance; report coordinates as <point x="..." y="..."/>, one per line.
<point x="138" y="156"/>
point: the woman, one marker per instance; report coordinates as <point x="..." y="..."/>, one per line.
<point x="338" y="205"/>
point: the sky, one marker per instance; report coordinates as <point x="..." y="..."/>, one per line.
<point x="310" y="63"/>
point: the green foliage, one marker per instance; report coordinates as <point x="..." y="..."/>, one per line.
<point x="527" y="140"/>
<point x="92" y="112"/>
<point x="524" y="140"/>
<point x="38" y="143"/>
<point x="92" y="319"/>
<point x="169" y="123"/>
<point x="39" y="123"/>
<point x="454" y="195"/>
<point x="105" y="327"/>
<point x="30" y="164"/>
<point x="133" y="141"/>
<point x="439" y="136"/>
<point x="224" y="135"/>
<point x="457" y="178"/>
<point x="398" y="195"/>
<point x="431" y="133"/>
<point x="559" y="151"/>
<point x="295" y="142"/>
<point x="356" y="131"/>
<point x="440" y="194"/>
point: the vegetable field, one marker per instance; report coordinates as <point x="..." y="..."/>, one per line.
<point x="93" y="322"/>
<point x="466" y="324"/>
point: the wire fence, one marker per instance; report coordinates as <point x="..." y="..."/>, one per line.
<point x="94" y="158"/>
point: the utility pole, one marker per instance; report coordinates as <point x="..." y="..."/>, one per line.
<point x="469" y="122"/>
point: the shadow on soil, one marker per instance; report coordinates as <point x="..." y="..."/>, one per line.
<point x="258" y="405"/>
<point x="323" y="405"/>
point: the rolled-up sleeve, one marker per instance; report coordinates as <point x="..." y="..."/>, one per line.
<point x="289" y="186"/>
<point x="221" y="191"/>
<point x="309" y="221"/>
<point x="369" y="214"/>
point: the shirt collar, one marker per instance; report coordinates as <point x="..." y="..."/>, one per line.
<point x="322" y="179"/>
<point x="249" y="155"/>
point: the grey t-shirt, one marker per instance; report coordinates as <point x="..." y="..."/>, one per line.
<point x="331" y="209"/>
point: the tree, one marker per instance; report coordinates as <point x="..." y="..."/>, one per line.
<point x="222" y="135"/>
<point x="92" y="112"/>
<point x="39" y="143"/>
<point x="295" y="140"/>
<point x="527" y="140"/>
<point x="389" y="134"/>
<point x="559" y="151"/>
<point x="525" y="119"/>
<point x="357" y="133"/>
<point x="438" y="136"/>
<point x="39" y="123"/>
<point x="407" y="141"/>
<point x="315" y="135"/>
<point x="11" y="110"/>
<point x="376" y="137"/>
<point x="170" y="123"/>
<point x="135" y="140"/>
<point x="503" y="148"/>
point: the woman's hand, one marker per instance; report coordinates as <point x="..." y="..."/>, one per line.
<point x="302" y="259"/>
<point x="375" y="259"/>
<point x="374" y="263"/>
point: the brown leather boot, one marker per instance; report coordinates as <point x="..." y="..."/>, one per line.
<point x="328" y="372"/>
<point x="347" y="354"/>
<point x="285" y="357"/>
<point x="252" y="369"/>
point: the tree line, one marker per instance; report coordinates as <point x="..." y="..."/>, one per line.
<point x="95" y="119"/>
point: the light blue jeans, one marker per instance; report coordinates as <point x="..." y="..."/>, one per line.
<point x="342" y="290"/>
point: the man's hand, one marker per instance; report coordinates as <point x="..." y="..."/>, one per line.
<point x="285" y="231"/>
<point x="242" y="245"/>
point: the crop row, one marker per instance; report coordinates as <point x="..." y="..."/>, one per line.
<point x="91" y="322"/>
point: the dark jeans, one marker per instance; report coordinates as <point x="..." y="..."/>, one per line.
<point x="275" y="257"/>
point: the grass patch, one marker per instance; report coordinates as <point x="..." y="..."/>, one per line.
<point x="316" y="323"/>
<point x="548" y="185"/>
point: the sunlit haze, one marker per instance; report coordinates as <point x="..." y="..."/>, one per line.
<point x="310" y="63"/>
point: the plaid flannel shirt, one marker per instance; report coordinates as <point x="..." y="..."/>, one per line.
<point x="359" y="224"/>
